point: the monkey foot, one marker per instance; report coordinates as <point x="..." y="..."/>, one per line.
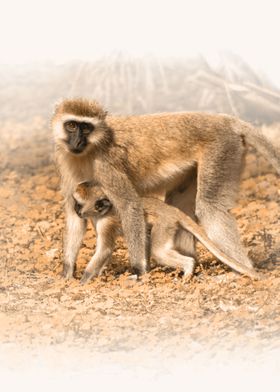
<point x="132" y="277"/>
<point x="86" y="277"/>
<point x="138" y="271"/>
<point x="67" y="272"/>
<point x="187" y="277"/>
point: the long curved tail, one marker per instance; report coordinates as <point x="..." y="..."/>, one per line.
<point x="188" y="224"/>
<point x="255" y="137"/>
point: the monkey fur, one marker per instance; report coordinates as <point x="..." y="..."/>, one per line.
<point x="165" y="221"/>
<point x="191" y="160"/>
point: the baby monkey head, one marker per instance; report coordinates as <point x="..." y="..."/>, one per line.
<point x="90" y="200"/>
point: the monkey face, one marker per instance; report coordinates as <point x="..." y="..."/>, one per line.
<point x="77" y="134"/>
<point x="87" y="209"/>
<point x="79" y="126"/>
<point x="90" y="200"/>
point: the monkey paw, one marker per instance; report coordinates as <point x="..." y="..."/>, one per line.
<point x="132" y="277"/>
<point x="86" y="277"/>
<point x="67" y="272"/>
<point x="138" y="270"/>
<point x="187" y="277"/>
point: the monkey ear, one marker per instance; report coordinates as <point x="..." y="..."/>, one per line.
<point x="87" y="184"/>
<point x="57" y="104"/>
<point x="104" y="115"/>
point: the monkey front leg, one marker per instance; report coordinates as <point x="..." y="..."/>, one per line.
<point x="106" y="232"/>
<point x="128" y="204"/>
<point x="134" y="229"/>
<point x="98" y="261"/>
<point x="75" y="230"/>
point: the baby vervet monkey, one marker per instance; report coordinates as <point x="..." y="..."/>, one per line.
<point x="192" y="160"/>
<point x="165" y="222"/>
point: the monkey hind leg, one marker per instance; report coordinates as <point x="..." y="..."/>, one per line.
<point x="185" y="245"/>
<point x="172" y="258"/>
<point x="184" y="198"/>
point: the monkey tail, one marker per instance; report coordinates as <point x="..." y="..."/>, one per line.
<point x="188" y="224"/>
<point x="255" y="137"/>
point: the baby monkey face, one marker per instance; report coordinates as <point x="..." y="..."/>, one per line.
<point x="90" y="200"/>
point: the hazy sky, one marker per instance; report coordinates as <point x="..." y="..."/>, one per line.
<point x="34" y="30"/>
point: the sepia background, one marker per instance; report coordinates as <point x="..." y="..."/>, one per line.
<point x="134" y="57"/>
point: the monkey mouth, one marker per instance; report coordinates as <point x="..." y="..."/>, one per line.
<point x="76" y="151"/>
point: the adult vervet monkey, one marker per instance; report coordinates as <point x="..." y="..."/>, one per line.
<point x="164" y="220"/>
<point x="132" y="156"/>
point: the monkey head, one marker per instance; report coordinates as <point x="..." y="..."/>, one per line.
<point x="79" y="125"/>
<point x="90" y="200"/>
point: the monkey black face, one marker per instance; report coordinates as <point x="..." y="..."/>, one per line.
<point x="77" y="135"/>
<point x="102" y="206"/>
<point x="85" y="210"/>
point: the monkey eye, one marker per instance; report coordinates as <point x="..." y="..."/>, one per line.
<point x="71" y="126"/>
<point x="87" y="128"/>
<point x="102" y="204"/>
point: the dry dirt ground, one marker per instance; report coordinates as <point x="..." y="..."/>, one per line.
<point x="39" y="308"/>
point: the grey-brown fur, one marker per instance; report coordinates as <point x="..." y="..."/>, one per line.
<point x="156" y="155"/>
<point x="165" y="221"/>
